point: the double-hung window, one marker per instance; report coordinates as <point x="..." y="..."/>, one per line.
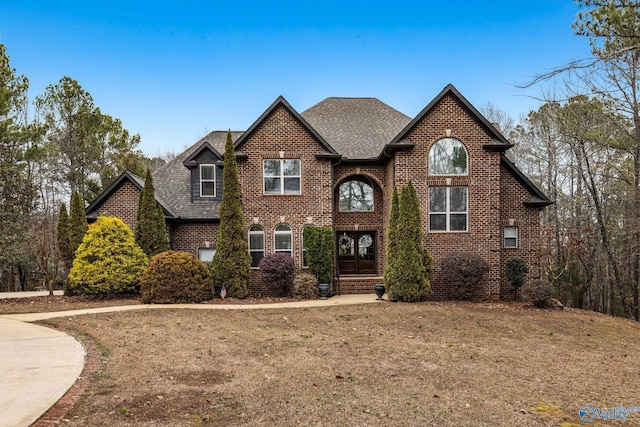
<point x="511" y="237"/>
<point x="448" y="209"/>
<point x="256" y="244"/>
<point x="281" y="176"/>
<point x="207" y="181"/>
<point x="283" y="239"/>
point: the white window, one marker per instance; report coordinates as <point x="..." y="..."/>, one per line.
<point x="511" y="237"/>
<point x="448" y="157"/>
<point x="207" y="181"/>
<point x="448" y="209"/>
<point x="206" y="254"/>
<point x="355" y="195"/>
<point x="256" y="244"/>
<point x="283" y="239"/>
<point x="281" y="176"/>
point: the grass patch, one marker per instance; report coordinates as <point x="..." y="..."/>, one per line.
<point x="391" y="364"/>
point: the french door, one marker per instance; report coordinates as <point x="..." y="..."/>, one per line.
<point x="356" y="252"/>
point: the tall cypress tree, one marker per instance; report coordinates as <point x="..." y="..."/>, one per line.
<point x="77" y="223"/>
<point x="231" y="264"/>
<point x="151" y="229"/>
<point x="407" y="278"/>
<point x="62" y="236"/>
<point x="392" y="234"/>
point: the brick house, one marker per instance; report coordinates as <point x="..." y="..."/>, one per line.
<point x="335" y="165"/>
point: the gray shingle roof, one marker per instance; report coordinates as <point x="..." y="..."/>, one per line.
<point x="172" y="182"/>
<point x="357" y="128"/>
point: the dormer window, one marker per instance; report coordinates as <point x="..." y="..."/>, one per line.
<point x="207" y="181"/>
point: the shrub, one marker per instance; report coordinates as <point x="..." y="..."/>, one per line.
<point x="278" y="271"/>
<point x="465" y="273"/>
<point x="108" y="261"/>
<point x="516" y="270"/>
<point x="176" y="277"/>
<point x="305" y="286"/>
<point x="537" y="292"/>
<point x="320" y="252"/>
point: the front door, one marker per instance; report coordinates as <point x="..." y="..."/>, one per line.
<point x="356" y="252"/>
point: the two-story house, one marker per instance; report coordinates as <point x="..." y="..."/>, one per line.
<point x="335" y="165"/>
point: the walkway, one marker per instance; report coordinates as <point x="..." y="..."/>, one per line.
<point x="38" y="365"/>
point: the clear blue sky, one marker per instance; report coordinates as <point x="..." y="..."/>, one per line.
<point x="173" y="71"/>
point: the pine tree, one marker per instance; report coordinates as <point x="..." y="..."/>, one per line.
<point x="77" y="223"/>
<point x="407" y="276"/>
<point x="151" y="229"/>
<point x="231" y="264"/>
<point x="62" y="235"/>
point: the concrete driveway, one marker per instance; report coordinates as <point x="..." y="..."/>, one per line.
<point x="37" y="366"/>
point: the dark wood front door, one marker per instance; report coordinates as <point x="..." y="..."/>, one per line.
<point x="356" y="252"/>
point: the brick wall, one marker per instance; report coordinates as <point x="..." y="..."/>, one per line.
<point x="450" y="118"/>
<point x="123" y="204"/>
<point x="280" y="135"/>
<point x="515" y="213"/>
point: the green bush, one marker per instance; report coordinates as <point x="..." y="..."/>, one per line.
<point x="320" y="252"/>
<point x="176" y="277"/>
<point x="305" y="286"/>
<point x="516" y="270"/>
<point x="108" y="261"/>
<point x="465" y="272"/>
<point x="537" y="292"/>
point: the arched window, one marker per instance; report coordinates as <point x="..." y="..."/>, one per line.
<point x="355" y="195"/>
<point x="448" y="157"/>
<point x="256" y="244"/>
<point x="283" y="239"/>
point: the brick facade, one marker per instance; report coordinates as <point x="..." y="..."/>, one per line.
<point x="495" y="196"/>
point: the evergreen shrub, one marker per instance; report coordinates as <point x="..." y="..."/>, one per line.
<point x="176" y="277"/>
<point x="108" y="261"/>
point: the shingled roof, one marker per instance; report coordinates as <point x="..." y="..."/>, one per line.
<point x="172" y="182"/>
<point x="357" y="128"/>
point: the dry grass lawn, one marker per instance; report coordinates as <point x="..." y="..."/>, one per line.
<point x="387" y="364"/>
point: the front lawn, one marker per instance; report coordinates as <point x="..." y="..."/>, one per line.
<point x="440" y="364"/>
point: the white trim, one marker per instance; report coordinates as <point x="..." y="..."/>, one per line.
<point x="253" y="230"/>
<point x="514" y="237"/>
<point x="281" y="176"/>
<point x="213" y="180"/>
<point x="447" y="212"/>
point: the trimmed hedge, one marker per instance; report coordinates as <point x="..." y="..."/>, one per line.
<point x="305" y="286"/>
<point x="176" y="277"/>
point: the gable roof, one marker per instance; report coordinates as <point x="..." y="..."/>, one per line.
<point x="172" y="182"/>
<point x="498" y="143"/>
<point x="538" y="199"/>
<point x="138" y="182"/>
<point x="190" y="161"/>
<point x="328" y="150"/>
<point x="358" y="128"/>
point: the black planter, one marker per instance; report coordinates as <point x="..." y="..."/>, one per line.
<point x="323" y="289"/>
<point x="379" y="292"/>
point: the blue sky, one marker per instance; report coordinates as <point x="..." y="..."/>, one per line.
<point x="173" y="71"/>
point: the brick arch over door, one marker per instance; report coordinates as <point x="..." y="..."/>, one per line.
<point x="357" y="223"/>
